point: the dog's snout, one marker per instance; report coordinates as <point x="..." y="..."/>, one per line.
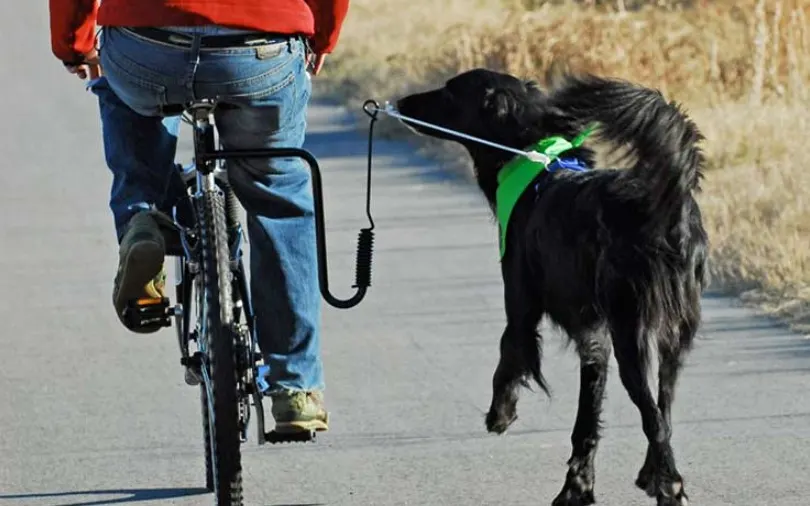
<point x="418" y="105"/>
<point x="402" y="105"/>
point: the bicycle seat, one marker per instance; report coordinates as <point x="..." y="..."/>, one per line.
<point x="178" y="109"/>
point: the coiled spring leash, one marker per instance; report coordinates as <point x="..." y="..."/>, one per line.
<point x="365" y="241"/>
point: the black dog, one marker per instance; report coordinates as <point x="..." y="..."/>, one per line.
<point x="616" y="258"/>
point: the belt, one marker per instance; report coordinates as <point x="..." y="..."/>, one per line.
<point x="209" y="41"/>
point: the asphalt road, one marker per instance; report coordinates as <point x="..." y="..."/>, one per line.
<point x="90" y="414"/>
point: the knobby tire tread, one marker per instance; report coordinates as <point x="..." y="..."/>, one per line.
<point x="221" y="352"/>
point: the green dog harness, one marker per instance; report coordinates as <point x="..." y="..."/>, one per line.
<point x="518" y="173"/>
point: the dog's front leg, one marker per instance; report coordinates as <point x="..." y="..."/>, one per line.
<point x="520" y="355"/>
<point x="505" y="383"/>
<point x="579" y="482"/>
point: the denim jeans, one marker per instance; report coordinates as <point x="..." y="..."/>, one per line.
<point x="265" y="91"/>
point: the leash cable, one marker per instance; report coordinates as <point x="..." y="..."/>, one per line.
<point x="391" y="111"/>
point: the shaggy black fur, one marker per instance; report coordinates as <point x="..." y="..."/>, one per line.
<point x="616" y="258"/>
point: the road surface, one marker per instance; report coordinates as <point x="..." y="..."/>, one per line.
<point x="90" y="414"/>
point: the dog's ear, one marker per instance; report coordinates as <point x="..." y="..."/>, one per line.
<point x="500" y="103"/>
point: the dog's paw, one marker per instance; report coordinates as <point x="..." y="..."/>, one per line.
<point x="498" y="423"/>
<point x="646" y="480"/>
<point x="675" y="495"/>
<point x="666" y="494"/>
<point x="571" y="497"/>
<point x="681" y="500"/>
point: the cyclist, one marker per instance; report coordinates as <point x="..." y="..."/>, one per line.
<point x="252" y="55"/>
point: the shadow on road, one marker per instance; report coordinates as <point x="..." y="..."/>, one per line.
<point x="131" y="495"/>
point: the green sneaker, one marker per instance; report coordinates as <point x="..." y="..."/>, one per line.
<point x="141" y="277"/>
<point x="297" y="411"/>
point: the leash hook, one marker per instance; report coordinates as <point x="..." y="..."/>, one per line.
<point x="371" y="108"/>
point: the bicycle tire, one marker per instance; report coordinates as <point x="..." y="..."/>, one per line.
<point x="206" y="420"/>
<point x="224" y="458"/>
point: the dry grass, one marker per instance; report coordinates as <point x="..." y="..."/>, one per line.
<point x="741" y="67"/>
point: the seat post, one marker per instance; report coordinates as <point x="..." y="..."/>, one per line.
<point x="203" y="136"/>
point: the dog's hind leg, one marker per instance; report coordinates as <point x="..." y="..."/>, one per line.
<point x="628" y="337"/>
<point x="579" y="482"/>
<point x="671" y="355"/>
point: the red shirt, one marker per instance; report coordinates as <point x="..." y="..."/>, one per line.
<point x="73" y="22"/>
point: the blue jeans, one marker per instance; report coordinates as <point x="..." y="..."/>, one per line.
<point x="265" y="91"/>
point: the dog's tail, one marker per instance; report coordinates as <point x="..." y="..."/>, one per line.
<point x="661" y="139"/>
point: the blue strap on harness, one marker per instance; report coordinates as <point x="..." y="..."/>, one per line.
<point x="574" y="164"/>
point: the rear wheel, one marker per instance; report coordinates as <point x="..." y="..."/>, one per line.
<point x="219" y="389"/>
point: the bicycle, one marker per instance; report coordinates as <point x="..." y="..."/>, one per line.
<point x="225" y="363"/>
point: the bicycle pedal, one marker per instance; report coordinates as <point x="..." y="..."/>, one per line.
<point x="274" y="437"/>
<point x="148" y="312"/>
<point x="193" y="368"/>
<point x="191" y="377"/>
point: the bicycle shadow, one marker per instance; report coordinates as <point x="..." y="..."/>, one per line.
<point x="132" y="495"/>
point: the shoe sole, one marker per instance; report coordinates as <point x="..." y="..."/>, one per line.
<point x="309" y="426"/>
<point x="141" y="264"/>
